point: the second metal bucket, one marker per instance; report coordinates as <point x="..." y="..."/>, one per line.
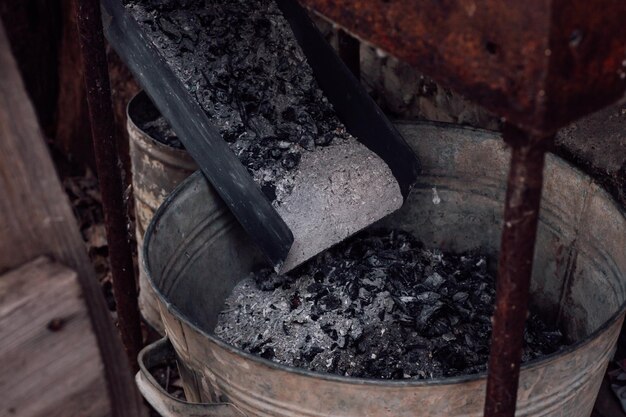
<point x="157" y="169"/>
<point x="195" y="253"/>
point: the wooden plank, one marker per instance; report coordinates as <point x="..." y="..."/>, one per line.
<point x="36" y="219"/>
<point x="49" y="356"/>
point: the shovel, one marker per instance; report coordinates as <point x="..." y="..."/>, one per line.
<point x="337" y="190"/>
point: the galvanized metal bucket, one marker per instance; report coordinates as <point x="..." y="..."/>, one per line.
<point x="195" y="252"/>
<point x="156" y="170"/>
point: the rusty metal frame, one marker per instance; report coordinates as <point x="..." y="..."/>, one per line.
<point x="515" y="264"/>
<point x="539" y="63"/>
<point x="93" y="55"/>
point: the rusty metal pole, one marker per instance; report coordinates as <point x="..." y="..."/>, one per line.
<point x="349" y="50"/>
<point x="521" y="214"/>
<point x="93" y="53"/>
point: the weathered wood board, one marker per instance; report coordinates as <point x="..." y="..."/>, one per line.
<point x="49" y="358"/>
<point x="36" y="219"/>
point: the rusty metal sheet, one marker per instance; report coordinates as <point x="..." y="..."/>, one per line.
<point x="538" y="63"/>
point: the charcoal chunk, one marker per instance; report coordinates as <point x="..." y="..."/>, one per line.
<point x="290" y="160"/>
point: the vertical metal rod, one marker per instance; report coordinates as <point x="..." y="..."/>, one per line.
<point x="92" y="47"/>
<point x="517" y="246"/>
<point x="349" y="52"/>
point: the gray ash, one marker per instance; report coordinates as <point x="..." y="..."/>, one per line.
<point x="144" y="114"/>
<point x="377" y="306"/>
<point x="240" y="61"/>
<point x="160" y="130"/>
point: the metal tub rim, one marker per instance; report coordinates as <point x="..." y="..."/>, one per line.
<point x="352" y="380"/>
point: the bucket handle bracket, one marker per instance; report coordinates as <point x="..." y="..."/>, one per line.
<point x="165" y="404"/>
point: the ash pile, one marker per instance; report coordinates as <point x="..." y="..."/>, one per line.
<point x="379" y="305"/>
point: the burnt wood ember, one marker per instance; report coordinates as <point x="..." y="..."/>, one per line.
<point x="377" y="306"/>
<point x="240" y="61"/>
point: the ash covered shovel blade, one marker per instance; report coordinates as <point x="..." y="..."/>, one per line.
<point x="338" y="190"/>
<point x="345" y="188"/>
<point x="280" y="127"/>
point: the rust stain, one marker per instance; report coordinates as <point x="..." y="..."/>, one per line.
<point x="540" y="63"/>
